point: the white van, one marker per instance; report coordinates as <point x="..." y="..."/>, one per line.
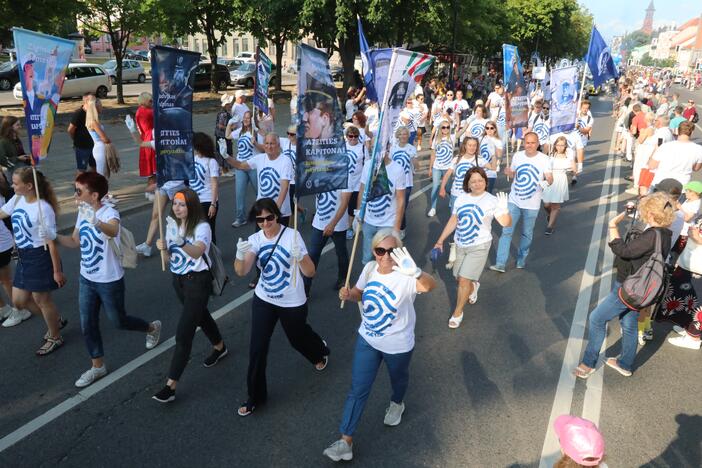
<point x="80" y="78"/>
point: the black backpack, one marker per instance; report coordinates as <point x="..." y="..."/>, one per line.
<point x="646" y="286"/>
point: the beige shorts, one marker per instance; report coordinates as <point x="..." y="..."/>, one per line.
<point x="470" y="261"/>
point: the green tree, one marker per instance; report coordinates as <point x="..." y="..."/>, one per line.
<point x="55" y="17"/>
<point x="635" y="39"/>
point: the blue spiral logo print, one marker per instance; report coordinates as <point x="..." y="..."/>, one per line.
<point x="477" y="129"/>
<point x="501" y="118"/>
<point x="353" y="160"/>
<point x="269" y="182"/>
<point x="326" y="205"/>
<point x="180" y="261"/>
<point x="403" y="159"/>
<point x="485" y="153"/>
<point x="470" y="218"/>
<point x="276" y="275"/>
<point x="379" y="309"/>
<point x="460" y="174"/>
<point x="378" y="206"/>
<point x="526" y="181"/>
<point x="541" y="130"/>
<point x="292" y="156"/>
<point x="444" y="153"/>
<point x="244" y="148"/>
<point x="197" y="183"/>
<point x="92" y="247"/>
<point x="21" y="224"/>
<point x="582" y="123"/>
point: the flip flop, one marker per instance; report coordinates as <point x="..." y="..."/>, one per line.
<point x="581" y="373"/>
<point x="247" y="408"/>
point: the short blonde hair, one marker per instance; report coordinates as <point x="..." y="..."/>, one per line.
<point x="401" y="129"/>
<point x="144" y="98"/>
<point x="382" y="235"/>
<point x="659" y="207"/>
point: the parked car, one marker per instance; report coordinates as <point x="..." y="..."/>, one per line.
<point x="131" y="71"/>
<point x="202" y="76"/>
<point x="143" y="54"/>
<point x="246" y="57"/>
<point x="229" y="62"/>
<point x="337" y="72"/>
<point x="9" y="75"/>
<point x="80" y="78"/>
<point x="245" y="75"/>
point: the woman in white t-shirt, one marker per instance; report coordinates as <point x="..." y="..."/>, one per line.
<point x="360" y="121"/>
<point x="471" y="219"/>
<point x="245" y="137"/>
<point x="356" y="153"/>
<point x="423" y="120"/>
<point x="475" y="125"/>
<point x="188" y="240"/>
<point x="562" y="162"/>
<point x="467" y="159"/>
<point x="9" y="316"/>
<point x="97" y="234"/>
<point x="281" y="255"/>
<point x="39" y="270"/>
<point x="491" y="146"/>
<point x="386" y="290"/>
<point x="405" y="155"/>
<point x="205" y="180"/>
<point x="440" y="161"/>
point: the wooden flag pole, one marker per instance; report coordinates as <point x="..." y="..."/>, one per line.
<point x="294" y="272"/>
<point x="36" y="189"/>
<point x="353" y="254"/>
<point x="160" y="227"/>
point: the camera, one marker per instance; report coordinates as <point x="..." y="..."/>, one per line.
<point x="630" y="209"/>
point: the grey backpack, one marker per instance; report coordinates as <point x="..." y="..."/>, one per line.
<point x="646" y="286"/>
<point x="216" y="266"/>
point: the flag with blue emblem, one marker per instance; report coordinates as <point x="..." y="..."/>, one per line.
<point x="366" y="61"/>
<point x="599" y="59"/>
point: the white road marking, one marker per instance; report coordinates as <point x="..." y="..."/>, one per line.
<point x="566" y="383"/>
<point x="83" y="395"/>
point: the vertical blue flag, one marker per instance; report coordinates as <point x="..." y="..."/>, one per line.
<point x="367" y="63"/>
<point x="599" y="59"/>
<point x="264" y="68"/>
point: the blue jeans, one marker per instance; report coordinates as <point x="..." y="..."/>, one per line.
<point x="491" y="184"/>
<point x="317" y="243"/>
<point x="368" y="233"/>
<point x="84" y="158"/>
<point x="242" y="179"/>
<point x="610" y="308"/>
<point x="412" y="136"/>
<point x="91" y="296"/>
<point x="436" y="176"/>
<point x="366" y="362"/>
<point x="526" y="237"/>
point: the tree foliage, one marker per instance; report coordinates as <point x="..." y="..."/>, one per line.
<point x="633" y="40"/>
<point x="55" y="17"/>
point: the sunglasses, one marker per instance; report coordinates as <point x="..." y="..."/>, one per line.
<point x="261" y="219"/>
<point x="489" y="128"/>
<point x="445" y="128"/>
<point x="291" y="134"/>
<point x="449" y="95"/>
<point x="380" y="251"/>
<point x="79" y="192"/>
<point x="353" y="136"/>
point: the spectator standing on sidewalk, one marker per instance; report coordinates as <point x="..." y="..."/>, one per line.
<point x="82" y="141"/>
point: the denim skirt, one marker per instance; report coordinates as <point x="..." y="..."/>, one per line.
<point x="34" y="272"/>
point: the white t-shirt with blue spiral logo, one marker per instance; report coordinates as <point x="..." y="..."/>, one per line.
<point x="529" y="171"/>
<point x="474" y="216"/>
<point x="488" y="152"/>
<point x="181" y="263"/>
<point x="460" y="167"/>
<point x="476" y="129"/>
<point x="381" y="211"/>
<point x="6" y="240"/>
<point x="404" y="156"/>
<point x="444" y="154"/>
<point x="275" y="284"/>
<point x="542" y="128"/>
<point x="244" y="146"/>
<point x="356" y="156"/>
<point x="25" y="220"/>
<point x="387" y="309"/>
<point x="98" y="262"/>
<point x="327" y="204"/>
<point x="270" y="173"/>
<point x="289" y="150"/>
<point x="205" y="169"/>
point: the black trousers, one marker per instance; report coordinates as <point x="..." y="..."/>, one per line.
<point x="211" y="221"/>
<point x="193" y="291"/>
<point x="264" y="317"/>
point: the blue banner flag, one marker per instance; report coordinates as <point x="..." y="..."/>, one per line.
<point x="371" y="91"/>
<point x="379" y="64"/>
<point x="564" y="97"/>
<point x="599" y="59"/>
<point x="42" y="63"/>
<point x="515" y="88"/>
<point x="322" y="165"/>
<point x="264" y="66"/>
<point x="173" y="72"/>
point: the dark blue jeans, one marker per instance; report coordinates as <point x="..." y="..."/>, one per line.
<point x="317" y="243"/>
<point x="366" y="362"/>
<point x="91" y="296"/>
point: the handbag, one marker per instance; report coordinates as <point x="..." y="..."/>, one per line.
<point x="691" y="257"/>
<point x="216" y="266"/>
<point x="646" y="286"/>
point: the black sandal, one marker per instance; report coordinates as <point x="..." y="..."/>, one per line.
<point x="51" y="345"/>
<point x="248" y="408"/>
<point x="62" y="324"/>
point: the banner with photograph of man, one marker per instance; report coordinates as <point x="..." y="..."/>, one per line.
<point x="515" y="88"/>
<point x="173" y="72"/>
<point x="380" y="63"/>
<point x="564" y="97"/>
<point x="43" y="61"/>
<point x="264" y="66"/>
<point x="322" y="165"/>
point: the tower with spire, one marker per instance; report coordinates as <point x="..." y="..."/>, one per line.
<point x="648" y="21"/>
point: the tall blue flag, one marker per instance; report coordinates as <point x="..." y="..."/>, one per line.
<point x="371" y="92"/>
<point x="599" y="59"/>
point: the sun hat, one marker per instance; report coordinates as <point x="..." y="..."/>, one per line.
<point x="695" y="186"/>
<point x="226" y="99"/>
<point x="580" y="439"/>
<point x="239" y="93"/>
<point x="669" y="186"/>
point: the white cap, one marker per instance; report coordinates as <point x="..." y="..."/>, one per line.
<point x="239" y="93"/>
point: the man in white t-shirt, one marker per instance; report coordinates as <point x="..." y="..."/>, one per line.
<point x="495" y="101"/>
<point x="531" y="173"/>
<point x="239" y="108"/>
<point x="677" y="159"/>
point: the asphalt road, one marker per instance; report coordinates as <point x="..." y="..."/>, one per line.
<point x="479" y="396"/>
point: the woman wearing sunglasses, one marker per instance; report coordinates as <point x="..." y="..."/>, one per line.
<point x="440" y="160"/>
<point x="471" y="219"/>
<point x="281" y="255"/>
<point x="491" y="151"/>
<point x="356" y="153"/>
<point x="188" y="239"/>
<point x="386" y="290"/>
<point x="404" y="154"/>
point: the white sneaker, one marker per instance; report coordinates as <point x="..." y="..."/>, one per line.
<point x="5" y="312"/>
<point x="685" y="341"/>
<point x="474" y="295"/>
<point x="144" y="249"/>
<point x="679" y="330"/>
<point x="91" y="375"/>
<point x="153" y="337"/>
<point x="339" y="450"/>
<point x="432" y="213"/>
<point x="16" y="317"/>
<point x="393" y="415"/>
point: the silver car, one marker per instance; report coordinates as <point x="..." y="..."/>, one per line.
<point x="131" y="71"/>
<point x="246" y="74"/>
